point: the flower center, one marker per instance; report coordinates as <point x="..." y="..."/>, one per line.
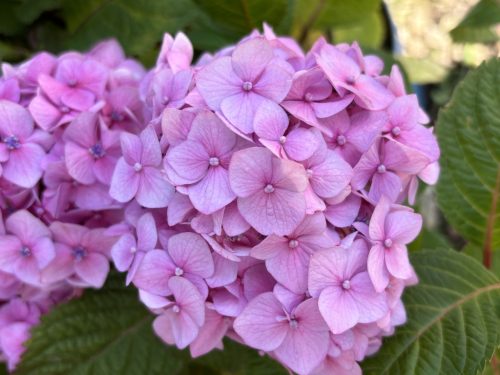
<point x="179" y="271"/>
<point x="381" y="168"/>
<point x="282" y="139"/>
<point x="214" y="161"/>
<point x="247" y="86"/>
<point x="309" y="173"/>
<point x="396" y="131"/>
<point x="79" y="253"/>
<point x="176" y="309"/>
<point x="25" y="251"/>
<point x="293" y="323"/>
<point x="292" y="244"/>
<point x="269" y="188"/>
<point x="387" y="242"/>
<point x="12" y="142"/>
<point x="350" y="80"/>
<point x="308" y="97"/>
<point x="346" y="284"/>
<point x="137" y="167"/>
<point x="165" y="100"/>
<point x="341" y="140"/>
<point x="64" y="109"/>
<point x="97" y="151"/>
<point x="133" y="249"/>
<point x="72" y="83"/>
<point x="117" y="116"/>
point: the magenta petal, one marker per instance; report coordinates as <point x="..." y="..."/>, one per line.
<point x="191" y="253"/>
<point x="131" y="147"/>
<point x="43" y="251"/>
<point x="371" y="94"/>
<point x="258" y="326"/>
<point x="125" y="182"/>
<point x="10" y="246"/>
<point x="78" y="99"/>
<point x="154" y="272"/>
<point x="213" y="191"/>
<point x="176" y="124"/>
<point x="385" y="184"/>
<point x="26" y="227"/>
<point x="154" y="190"/>
<point x="147" y="234"/>
<point x="24" y="167"/>
<point x="338" y="308"/>
<point x="16" y="120"/>
<point x="93" y="269"/>
<point x="151" y="151"/>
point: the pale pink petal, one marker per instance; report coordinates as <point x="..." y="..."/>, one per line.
<point x="249" y="170"/>
<point x="188" y="298"/>
<point x="258" y="326"/>
<point x="300" y="144"/>
<point x="270" y="247"/>
<point x="371" y="94"/>
<point x="178" y="327"/>
<point x="225" y="272"/>
<point x="191" y="253"/>
<point x="371" y="305"/>
<point x="147" y="234"/>
<point x="10" y="246"/>
<point x="16" y="120"/>
<point x="377" y="221"/>
<point x="26" y="227"/>
<point x="386" y="184"/>
<point x="189" y="160"/>
<point x="131" y="147"/>
<point x="154" y="272"/>
<point x="240" y="110"/>
<point x="151" y="151"/>
<point x="270" y="121"/>
<point x="122" y="252"/>
<point x="210" y="335"/>
<point x="125" y="182"/>
<point x="93" y="269"/>
<point x="326" y="269"/>
<point x="345" y="213"/>
<point x="275" y="81"/>
<point x="154" y="190"/>
<point x="80" y="163"/>
<point x="250" y="58"/>
<point x="403" y="227"/>
<point x="397" y="262"/>
<point x="377" y="268"/>
<point x="175" y="125"/>
<point x="43" y="251"/>
<point x="338" y="308"/>
<point x="290" y="269"/>
<point x="232" y="221"/>
<point x="213" y="191"/>
<point x="24" y="167"/>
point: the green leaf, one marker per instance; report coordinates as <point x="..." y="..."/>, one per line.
<point x="369" y="32"/>
<point x="453" y="322"/>
<point x="109" y="331"/>
<point x="28" y="11"/>
<point x="104" y="332"/>
<point x="138" y="24"/>
<point x="242" y="16"/>
<point x="430" y="239"/>
<point x="468" y="130"/>
<point x="3" y="369"/>
<point x="478" y="25"/>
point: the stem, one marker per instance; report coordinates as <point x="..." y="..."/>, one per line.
<point x="490" y="224"/>
<point x="310" y="21"/>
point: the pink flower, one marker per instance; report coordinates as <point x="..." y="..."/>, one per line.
<point x="124" y="109"/>
<point x="287" y="258"/>
<point x="27" y="247"/>
<point x="81" y="255"/>
<point x="211" y="333"/>
<point x="176" y="53"/>
<point x="91" y="150"/>
<point x="345" y="75"/>
<point x="270" y="124"/>
<point x="20" y="153"/>
<point x="381" y="165"/>
<point x="390" y="232"/>
<point x="181" y="319"/>
<point x="298" y="338"/>
<point x="187" y="256"/>
<point x="310" y="98"/>
<point x="137" y="173"/>
<point x="128" y="253"/>
<point x="269" y="190"/>
<point x="338" y="278"/>
<point x="202" y="163"/>
<point x="237" y="85"/>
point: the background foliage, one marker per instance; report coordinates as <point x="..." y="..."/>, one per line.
<point x="453" y="314"/>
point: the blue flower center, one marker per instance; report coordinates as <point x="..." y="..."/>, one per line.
<point x="12" y="142"/>
<point x="25" y="251"/>
<point x="97" y="151"/>
<point x="79" y="253"/>
<point x="117" y="116"/>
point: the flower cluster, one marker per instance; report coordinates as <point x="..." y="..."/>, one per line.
<point x="256" y="194"/>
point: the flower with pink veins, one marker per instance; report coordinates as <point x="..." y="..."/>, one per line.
<point x="211" y="333"/>
<point x="237" y="85"/>
<point x="390" y="231"/>
<point x="287" y="258"/>
<point x="310" y="98"/>
<point x="26" y="248"/>
<point x="298" y="338"/>
<point x="270" y="124"/>
<point x="346" y="76"/>
<point x="346" y="297"/>
<point x="353" y="135"/>
<point x="181" y="319"/>
<point x="81" y="255"/>
<point x="403" y="126"/>
<point x="137" y="174"/>
<point x="127" y="253"/>
<point x="187" y="256"/>
<point x="382" y="164"/>
<point x="124" y="109"/>
<point x="270" y="191"/>
<point x="90" y="150"/>
<point x="20" y="152"/>
<point x="202" y="163"/>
